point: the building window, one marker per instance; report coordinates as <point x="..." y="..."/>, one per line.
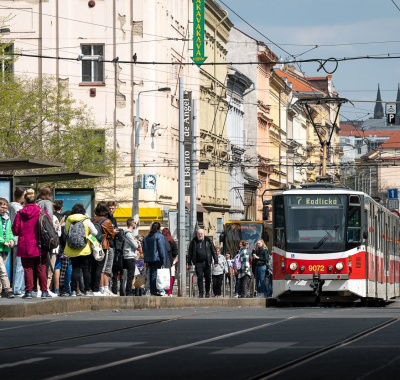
<point x="92" y="63"/>
<point x="6" y="62"/>
<point x="358" y="150"/>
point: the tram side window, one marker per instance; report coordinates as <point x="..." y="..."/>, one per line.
<point x="354" y="224"/>
<point x="279" y="216"/>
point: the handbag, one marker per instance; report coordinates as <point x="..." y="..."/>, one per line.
<point x="163" y="279"/>
<point x="97" y="249"/>
<point x="139" y="282"/>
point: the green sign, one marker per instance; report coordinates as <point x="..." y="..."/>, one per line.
<point x="198" y="32"/>
<point x="316" y="200"/>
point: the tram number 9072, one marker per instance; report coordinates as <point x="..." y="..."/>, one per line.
<point x="318" y="268"/>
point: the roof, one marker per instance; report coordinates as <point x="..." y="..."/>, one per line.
<point x="393" y="142"/>
<point x="28" y="179"/>
<point x="351" y="130"/>
<point x="26" y="163"/>
<point x="299" y="85"/>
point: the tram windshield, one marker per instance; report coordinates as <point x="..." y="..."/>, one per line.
<point x="315" y="223"/>
<point x="234" y="232"/>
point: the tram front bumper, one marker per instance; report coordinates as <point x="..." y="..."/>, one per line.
<point x="321" y="276"/>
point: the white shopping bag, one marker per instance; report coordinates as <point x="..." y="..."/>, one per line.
<point x="163" y="279"/>
<point x="97" y="250"/>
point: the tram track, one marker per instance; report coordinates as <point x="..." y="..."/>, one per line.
<point x="99" y="333"/>
<point x="323" y="351"/>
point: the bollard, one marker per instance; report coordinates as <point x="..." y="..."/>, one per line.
<point x="224" y="286"/>
<point x="233" y="277"/>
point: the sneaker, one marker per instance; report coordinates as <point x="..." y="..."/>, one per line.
<point x="170" y="295"/>
<point x="98" y="294"/>
<point x="207" y="295"/>
<point x="236" y="296"/>
<point x="163" y="295"/>
<point x="45" y="295"/>
<point x="65" y="294"/>
<point x="108" y="292"/>
<point x="52" y="294"/>
<point x="201" y="295"/>
<point x="79" y="293"/>
<point x="39" y="294"/>
<point x="18" y="294"/>
<point x="27" y="295"/>
<point x="10" y="295"/>
<point x="89" y="294"/>
<point x="73" y="294"/>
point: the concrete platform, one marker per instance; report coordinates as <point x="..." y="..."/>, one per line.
<point x="19" y="308"/>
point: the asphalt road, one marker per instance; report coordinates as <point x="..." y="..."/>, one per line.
<point x="234" y="343"/>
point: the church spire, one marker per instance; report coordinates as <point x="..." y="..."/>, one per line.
<point x="378" y="110"/>
<point x="397" y="122"/>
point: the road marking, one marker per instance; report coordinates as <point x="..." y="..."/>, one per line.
<point x="255" y="348"/>
<point x="161" y="352"/>
<point x="93" y="348"/>
<point x="16" y="364"/>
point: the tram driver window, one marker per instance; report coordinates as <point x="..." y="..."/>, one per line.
<point x="354" y="224"/>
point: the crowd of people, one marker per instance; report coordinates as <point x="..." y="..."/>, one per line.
<point x="239" y="269"/>
<point x="93" y="257"/>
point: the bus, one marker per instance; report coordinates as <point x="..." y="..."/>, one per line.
<point x="236" y="230"/>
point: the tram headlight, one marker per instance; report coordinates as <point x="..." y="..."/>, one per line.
<point x="339" y="265"/>
<point x="293" y="266"/>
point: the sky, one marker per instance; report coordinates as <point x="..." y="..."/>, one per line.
<point x="358" y="27"/>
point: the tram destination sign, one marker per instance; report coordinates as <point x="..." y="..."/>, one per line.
<point x="318" y="200"/>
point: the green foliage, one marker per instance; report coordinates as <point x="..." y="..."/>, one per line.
<point x="40" y="120"/>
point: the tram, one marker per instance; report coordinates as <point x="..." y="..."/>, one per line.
<point x="333" y="244"/>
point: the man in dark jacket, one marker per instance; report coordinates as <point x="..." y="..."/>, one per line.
<point x="155" y="255"/>
<point x="201" y="255"/>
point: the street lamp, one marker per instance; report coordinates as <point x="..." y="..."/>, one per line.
<point x="136" y="169"/>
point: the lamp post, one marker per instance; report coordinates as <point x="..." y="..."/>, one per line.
<point x="136" y="169"/>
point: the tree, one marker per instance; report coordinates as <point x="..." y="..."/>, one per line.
<point x="39" y="119"/>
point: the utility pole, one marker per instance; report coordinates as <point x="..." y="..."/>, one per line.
<point x="193" y="176"/>
<point x="181" y="197"/>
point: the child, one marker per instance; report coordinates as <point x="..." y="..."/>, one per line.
<point x="7" y="242"/>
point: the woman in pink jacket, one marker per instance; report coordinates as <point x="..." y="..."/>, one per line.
<point x="26" y="227"/>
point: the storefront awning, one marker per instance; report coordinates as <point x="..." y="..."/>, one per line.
<point x="26" y="163"/>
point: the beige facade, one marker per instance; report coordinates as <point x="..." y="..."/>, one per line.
<point x="213" y="190"/>
<point x="154" y="32"/>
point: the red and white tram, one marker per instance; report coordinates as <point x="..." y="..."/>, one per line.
<point x="333" y="244"/>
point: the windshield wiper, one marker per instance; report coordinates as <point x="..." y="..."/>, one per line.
<point x="326" y="237"/>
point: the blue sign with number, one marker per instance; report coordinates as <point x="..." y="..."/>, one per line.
<point x="393" y="194"/>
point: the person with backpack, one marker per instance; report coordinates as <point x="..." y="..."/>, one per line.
<point x="172" y="256"/>
<point x="260" y="259"/>
<point x="131" y="254"/>
<point x="101" y="270"/>
<point x="26" y="227"/>
<point x="116" y="245"/>
<point x="244" y="272"/>
<point x="78" y="248"/>
<point x="201" y="254"/>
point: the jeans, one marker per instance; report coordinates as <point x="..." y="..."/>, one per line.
<point x="260" y="278"/>
<point x="30" y="264"/>
<point x="269" y="287"/>
<point x="203" y="271"/>
<point x="81" y="264"/>
<point x="67" y="278"/>
<point x="18" y="274"/>
<point x="129" y="264"/>
<point x="243" y="285"/>
<point x="153" y="277"/>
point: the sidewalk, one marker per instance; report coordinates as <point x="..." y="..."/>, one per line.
<point x="20" y="308"/>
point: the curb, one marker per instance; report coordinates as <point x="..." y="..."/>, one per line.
<point x="37" y="307"/>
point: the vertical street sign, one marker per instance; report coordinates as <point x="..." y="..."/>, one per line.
<point x="391" y="118"/>
<point x="391" y="112"/>
<point x="392" y="193"/>
<point x="198" y="32"/>
<point x="187" y="122"/>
